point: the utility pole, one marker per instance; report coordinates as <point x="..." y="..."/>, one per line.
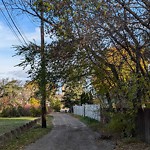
<point x="43" y="71"/>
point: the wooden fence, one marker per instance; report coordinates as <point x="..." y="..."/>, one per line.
<point x="143" y="125"/>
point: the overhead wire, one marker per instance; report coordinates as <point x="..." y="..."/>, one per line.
<point x="21" y="31"/>
<point x="11" y="18"/>
<point x="10" y="26"/>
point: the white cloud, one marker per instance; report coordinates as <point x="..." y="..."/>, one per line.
<point x="18" y="74"/>
<point x="7" y="41"/>
<point x="6" y="37"/>
<point x="7" y="62"/>
<point x="34" y="35"/>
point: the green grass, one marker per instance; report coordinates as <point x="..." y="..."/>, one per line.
<point x="28" y="137"/>
<point x="7" y="124"/>
<point x="93" y="124"/>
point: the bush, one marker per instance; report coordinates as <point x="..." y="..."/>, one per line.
<point x="20" y="110"/>
<point x="5" y="112"/>
<point x="23" y="111"/>
<point x="122" y="123"/>
<point x="35" y="112"/>
<point x="27" y="110"/>
<point x="116" y="124"/>
<point x="56" y="108"/>
<point x="56" y="104"/>
<point x="10" y="112"/>
<point x="14" y="112"/>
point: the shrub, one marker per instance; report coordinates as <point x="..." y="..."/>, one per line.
<point x="20" y="110"/>
<point x="122" y="123"/>
<point x="35" y="112"/>
<point x="56" y="104"/>
<point x="27" y="110"/>
<point x="14" y="112"/>
<point x="5" y="112"/>
<point x="116" y="124"/>
<point x="10" y="112"/>
<point x="23" y="111"/>
<point x="34" y="102"/>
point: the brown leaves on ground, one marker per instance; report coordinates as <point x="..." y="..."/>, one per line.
<point x="132" y="146"/>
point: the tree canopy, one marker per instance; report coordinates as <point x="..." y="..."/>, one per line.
<point x="104" y="42"/>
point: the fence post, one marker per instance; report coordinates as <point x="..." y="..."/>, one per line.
<point x="83" y="109"/>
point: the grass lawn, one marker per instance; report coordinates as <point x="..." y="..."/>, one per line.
<point x="92" y="123"/>
<point x="7" y="124"/>
<point x="28" y="137"/>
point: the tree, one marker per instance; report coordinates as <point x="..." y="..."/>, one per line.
<point x="55" y="103"/>
<point x="10" y="93"/>
<point x="72" y="94"/>
<point x="106" y="41"/>
<point x="86" y="98"/>
<point x="94" y="27"/>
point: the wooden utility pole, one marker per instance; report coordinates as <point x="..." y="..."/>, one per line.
<point x="43" y="71"/>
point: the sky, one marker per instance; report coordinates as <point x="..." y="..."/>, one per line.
<point x="8" y="40"/>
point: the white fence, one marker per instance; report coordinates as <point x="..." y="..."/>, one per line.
<point x="91" y="111"/>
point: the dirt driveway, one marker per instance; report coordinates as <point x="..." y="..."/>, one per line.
<point x="70" y="134"/>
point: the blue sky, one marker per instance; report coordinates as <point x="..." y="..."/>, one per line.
<point x="7" y="40"/>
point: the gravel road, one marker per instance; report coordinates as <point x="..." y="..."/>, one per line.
<point x="70" y="134"/>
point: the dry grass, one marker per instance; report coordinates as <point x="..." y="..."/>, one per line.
<point x="132" y="145"/>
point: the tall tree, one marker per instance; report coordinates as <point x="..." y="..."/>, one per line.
<point x="10" y="93"/>
<point x="85" y="32"/>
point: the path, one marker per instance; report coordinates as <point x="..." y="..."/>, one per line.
<point x="69" y="134"/>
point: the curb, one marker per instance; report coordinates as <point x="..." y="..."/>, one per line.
<point x="16" y="132"/>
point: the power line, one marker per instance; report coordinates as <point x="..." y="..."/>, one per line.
<point x="14" y="23"/>
<point x="10" y="26"/>
<point x="17" y="24"/>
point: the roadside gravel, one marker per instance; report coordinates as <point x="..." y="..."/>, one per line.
<point x="70" y="134"/>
